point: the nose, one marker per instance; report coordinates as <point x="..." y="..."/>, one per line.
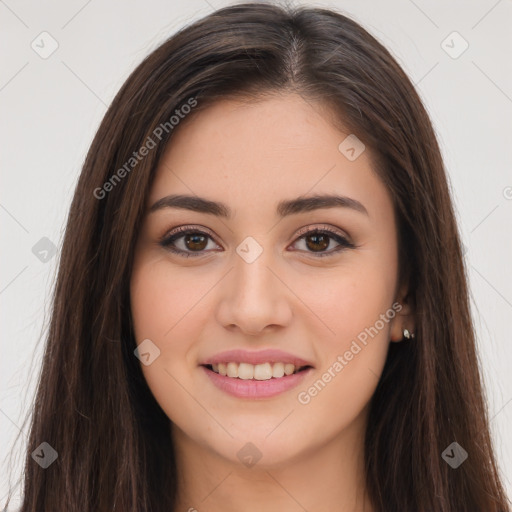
<point x="254" y="297"/>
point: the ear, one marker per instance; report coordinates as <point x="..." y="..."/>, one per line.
<point x="404" y="319"/>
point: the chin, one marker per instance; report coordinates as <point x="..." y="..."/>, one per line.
<point x="258" y="448"/>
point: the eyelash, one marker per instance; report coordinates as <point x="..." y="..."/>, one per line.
<point x="167" y="240"/>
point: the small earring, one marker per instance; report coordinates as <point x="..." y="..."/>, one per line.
<point x="408" y="334"/>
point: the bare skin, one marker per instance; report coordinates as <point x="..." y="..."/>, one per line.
<point x="250" y="157"/>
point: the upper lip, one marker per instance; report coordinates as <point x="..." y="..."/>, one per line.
<point x="259" y="357"/>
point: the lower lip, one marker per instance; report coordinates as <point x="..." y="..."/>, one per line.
<point x="255" y="388"/>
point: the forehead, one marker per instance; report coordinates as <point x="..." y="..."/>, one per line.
<point x="261" y="152"/>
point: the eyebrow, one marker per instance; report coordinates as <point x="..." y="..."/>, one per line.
<point x="284" y="208"/>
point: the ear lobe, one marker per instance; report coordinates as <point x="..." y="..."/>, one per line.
<point x="404" y="319"/>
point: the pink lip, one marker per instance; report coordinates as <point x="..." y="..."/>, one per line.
<point x="263" y="356"/>
<point x="252" y="388"/>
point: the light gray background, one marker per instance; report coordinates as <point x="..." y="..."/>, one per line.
<point x="52" y="107"/>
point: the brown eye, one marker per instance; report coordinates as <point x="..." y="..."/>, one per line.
<point x="195" y="242"/>
<point x="318" y="240"/>
<point x="187" y="242"/>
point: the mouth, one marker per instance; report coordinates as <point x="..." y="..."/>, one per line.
<point x="259" y="381"/>
<point x="256" y="372"/>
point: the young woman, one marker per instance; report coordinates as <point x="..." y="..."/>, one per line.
<point x="261" y="301"/>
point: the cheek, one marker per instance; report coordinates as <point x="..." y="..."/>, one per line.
<point x="163" y="302"/>
<point x="350" y="301"/>
<point x="158" y="305"/>
<point x="355" y="306"/>
<point x="162" y="311"/>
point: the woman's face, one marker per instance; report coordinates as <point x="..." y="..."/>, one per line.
<point x="259" y="285"/>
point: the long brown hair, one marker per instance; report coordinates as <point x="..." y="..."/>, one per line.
<point x="93" y="405"/>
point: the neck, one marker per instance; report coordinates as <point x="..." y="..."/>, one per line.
<point x="325" y="478"/>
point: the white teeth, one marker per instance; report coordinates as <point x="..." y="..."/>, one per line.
<point x="263" y="371"/>
<point x="278" y="370"/>
<point x="246" y="371"/>
<point x="289" y="369"/>
<point x="232" y="370"/>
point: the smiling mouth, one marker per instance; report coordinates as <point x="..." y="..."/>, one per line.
<point x="247" y="371"/>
